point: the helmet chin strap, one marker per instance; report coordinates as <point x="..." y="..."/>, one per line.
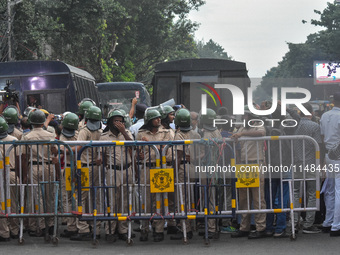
<point x="3" y="135"/>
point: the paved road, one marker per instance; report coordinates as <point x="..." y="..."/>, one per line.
<point x="305" y="244"/>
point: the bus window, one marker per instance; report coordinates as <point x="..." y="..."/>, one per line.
<point x="76" y="87"/>
<point x="35" y="100"/>
<point x="56" y="102"/>
<point x="166" y="88"/>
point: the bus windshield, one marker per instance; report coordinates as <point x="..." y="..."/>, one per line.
<point x="116" y="99"/>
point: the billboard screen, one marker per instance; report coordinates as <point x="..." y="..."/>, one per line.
<point x="326" y="72"/>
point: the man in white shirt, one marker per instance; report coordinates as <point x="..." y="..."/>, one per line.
<point x="330" y="131"/>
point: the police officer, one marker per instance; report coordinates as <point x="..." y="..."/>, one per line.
<point x="11" y="116"/>
<point x="40" y="165"/>
<point x="50" y="123"/>
<point x="117" y="161"/>
<point x="11" y="230"/>
<point x="90" y="132"/>
<point x="69" y="133"/>
<point x="210" y="132"/>
<point x="151" y="131"/>
<point x="167" y="117"/>
<point x="127" y="119"/>
<point x="184" y="132"/>
<point x="84" y="106"/>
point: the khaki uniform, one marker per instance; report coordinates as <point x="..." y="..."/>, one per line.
<point x="252" y="149"/>
<point x="118" y="164"/>
<point x="189" y="168"/>
<point x="51" y="130"/>
<point x="160" y="135"/>
<point x="13" y="226"/>
<point x="40" y="169"/>
<point x="212" y="190"/>
<point x="67" y="195"/>
<point x="88" y="159"/>
<point x="171" y="132"/>
<point x="17" y="133"/>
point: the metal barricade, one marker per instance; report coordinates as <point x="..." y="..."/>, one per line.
<point x="31" y="188"/>
<point x="298" y="179"/>
<point x="122" y="187"/>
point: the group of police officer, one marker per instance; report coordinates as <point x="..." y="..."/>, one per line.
<point x="87" y="126"/>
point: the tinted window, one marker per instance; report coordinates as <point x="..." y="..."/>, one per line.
<point x="56" y="102"/>
<point x="166" y="89"/>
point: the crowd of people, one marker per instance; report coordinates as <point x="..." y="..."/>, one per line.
<point x="165" y="123"/>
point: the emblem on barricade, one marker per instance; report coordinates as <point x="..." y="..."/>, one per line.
<point x="162" y="180"/>
<point x="247" y="176"/>
<point x="68" y="179"/>
<point x="85" y="180"/>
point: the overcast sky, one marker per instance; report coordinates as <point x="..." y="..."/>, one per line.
<point x="256" y="31"/>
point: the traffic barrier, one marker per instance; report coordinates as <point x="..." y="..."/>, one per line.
<point x="136" y="186"/>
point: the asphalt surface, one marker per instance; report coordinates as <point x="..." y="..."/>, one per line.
<point x="304" y="244"/>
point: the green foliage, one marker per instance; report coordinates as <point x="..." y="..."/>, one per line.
<point x="211" y="49"/>
<point x="117" y="40"/>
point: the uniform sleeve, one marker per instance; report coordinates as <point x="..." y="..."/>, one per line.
<point x="179" y="136"/>
<point x="139" y="136"/>
<point x="129" y="134"/>
<point x="23" y="138"/>
<point x="167" y="136"/>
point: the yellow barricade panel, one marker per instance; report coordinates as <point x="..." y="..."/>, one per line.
<point x="247" y="176"/>
<point x="162" y="180"/>
<point x="85" y="178"/>
<point x="68" y="179"/>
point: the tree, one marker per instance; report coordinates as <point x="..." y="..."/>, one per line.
<point x="211" y="49"/>
<point x="113" y="40"/>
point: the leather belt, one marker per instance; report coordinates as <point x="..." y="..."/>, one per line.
<point x="119" y="167"/>
<point x="34" y="163"/>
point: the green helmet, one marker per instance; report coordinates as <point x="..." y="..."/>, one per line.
<point x="208" y="118"/>
<point x="115" y="112"/>
<point x="84" y="107"/>
<point x="150" y="115"/>
<point x="36" y="117"/>
<point x="70" y="121"/>
<point x="93" y="113"/>
<point x="165" y="110"/>
<point x="88" y="99"/>
<point x="3" y="125"/>
<point x="182" y="118"/>
<point x="10" y="114"/>
<point x="123" y="111"/>
<point x="127" y="119"/>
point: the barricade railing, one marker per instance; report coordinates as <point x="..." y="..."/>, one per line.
<point x="145" y="198"/>
<point x="290" y="174"/>
<point x="31" y="186"/>
<point x="117" y="189"/>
